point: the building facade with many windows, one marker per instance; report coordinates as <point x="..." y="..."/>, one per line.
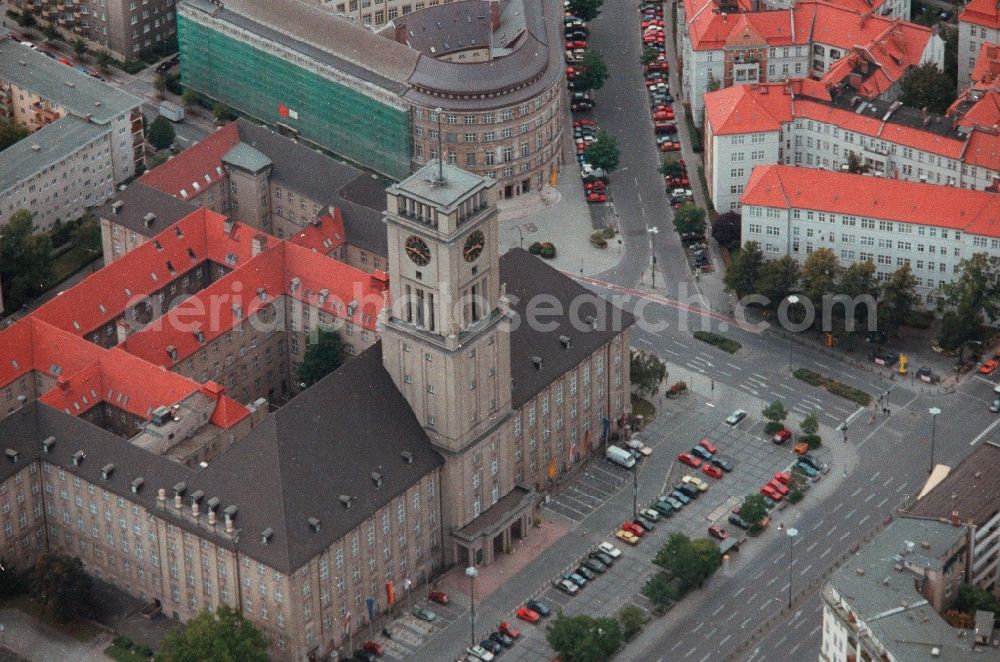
<point x="978" y="24"/>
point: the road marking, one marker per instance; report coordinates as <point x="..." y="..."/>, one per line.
<point x="799" y="624"/>
<point x="826" y="552"/>
<point x="863" y="520"/>
<point x="743" y="588"/>
<point x="755" y="577"/>
<point x="702" y="623"/>
<point x="886" y="483"/>
<point x="794" y="648"/>
<point x="773" y="579"/>
<point x="726" y="638"/>
<point x="786" y="387"/>
<point x="874" y="476"/>
<point x="832" y="529"/>
<point x="882" y="502"/>
<point x="856" y="492"/>
<point x="705" y="659"/>
<point x="985" y="432"/>
<point x="846" y="533"/>
<point x="727" y="374"/>
<point x="806" y="569"/>
<point x="818" y="524"/>
<point x="848" y="515"/>
<point x="734" y="367"/>
<point x="760" y="377"/>
<point x="744" y="623"/>
<point x="783" y="640"/>
<point x="810" y="547"/>
<point x="756" y="394"/>
<point x="901" y="486"/>
<point x="718" y="609"/>
<point x="869" y="497"/>
<point x="678" y="643"/>
<point x="693" y="649"/>
<point x="837" y="507"/>
<point x="822" y="365"/>
<point x="813" y="631"/>
<point x="710" y="634"/>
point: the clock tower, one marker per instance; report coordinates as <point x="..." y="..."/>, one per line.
<point x="442" y="341"/>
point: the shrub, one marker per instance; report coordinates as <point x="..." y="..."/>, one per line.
<point x="849" y="392"/>
<point x="632" y="619"/>
<point x="535" y="248"/>
<point x="144" y="651"/>
<point x="808" y="376"/>
<point x="813" y="440"/>
<point x="794" y="496"/>
<point x="919" y="319"/>
<point x="723" y="343"/>
<point x="547" y="251"/>
<point x="598" y="240"/>
<point x="130" y="66"/>
<point x="123" y="642"/>
<point x="772" y="427"/>
<point x="678" y="387"/>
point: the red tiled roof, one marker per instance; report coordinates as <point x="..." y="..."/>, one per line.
<point x="781" y="186"/>
<point x="982" y="12"/>
<point x="32" y="345"/>
<point x="749" y="108"/>
<point x="983" y="149"/>
<point x="323" y="237"/>
<point x="986" y="74"/>
<point x="201" y="165"/>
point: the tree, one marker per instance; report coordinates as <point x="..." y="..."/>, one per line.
<point x="649" y="55"/>
<point x="689" y="219"/>
<point x="727" y="229"/>
<point x="745" y="270"/>
<point x="671" y="167"/>
<point x="25" y="259"/>
<point x="10" y="133"/>
<point x="647" y="372"/>
<point x="972" y="598"/>
<point x="857" y="281"/>
<point x="160" y="85"/>
<point x="632" y="619"/>
<point x="855" y="164"/>
<point x="104" y="60"/>
<point x="51" y="32"/>
<point x="713" y="84"/>
<point x="778" y="279"/>
<point x="80" y="49"/>
<point x="592" y="72"/>
<point x="60" y="584"/>
<point x="27" y="20"/>
<point x="928" y="87"/>
<point x="753" y="510"/>
<point x="950" y="36"/>
<point x="775" y="413"/>
<point x="690" y="561"/>
<point x="898" y="298"/>
<point x="220" y="111"/>
<point x="969" y="299"/>
<point x="810" y="424"/>
<point x="322" y="357"/>
<point x="603" y="152"/>
<point x="189" y="98"/>
<point x="584" y="639"/>
<point x="585" y="10"/>
<point x="224" y="635"/>
<point x="820" y="275"/>
<point x="161" y="133"/>
<point x="660" y="590"/>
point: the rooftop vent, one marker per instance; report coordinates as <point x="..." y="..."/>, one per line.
<point x="11" y="455"/>
<point x="231" y="511"/>
<point x="565" y="342"/>
<point x="199" y="335"/>
<point x="107" y="470"/>
<point x="407" y="457"/>
<point x="180" y="488"/>
<point x="860" y="571"/>
<point x="314" y="524"/>
<point x="48" y="444"/>
<point x="295" y="284"/>
<point x="537" y="362"/>
<point x="266" y="535"/>
<point x="137" y="485"/>
<point x="78" y="458"/>
<point x="925" y="545"/>
<point x="377" y="478"/>
<point x="197" y="496"/>
<point x="172" y="352"/>
<point x="162" y="413"/>
<point x="213" y="504"/>
<point x="346" y="500"/>
<point x="36" y="148"/>
<point x="149" y="219"/>
<point x="116" y="206"/>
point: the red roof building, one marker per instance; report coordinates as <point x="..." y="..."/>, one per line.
<point x="978" y="25"/>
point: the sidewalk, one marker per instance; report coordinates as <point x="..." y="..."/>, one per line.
<point x="31" y="639"/>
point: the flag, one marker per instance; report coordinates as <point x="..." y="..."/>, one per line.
<point x="370" y="602"/>
<point x="347" y="623"/>
<point x="283" y="110"/>
<point x="552" y="468"/>
<point x="390" y="592"/>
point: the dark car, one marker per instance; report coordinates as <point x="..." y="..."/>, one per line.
<point x="680" y="496"/>
<point x="594" y="565"/>
<point x="365" y="656"/>
<point x="724" y="462"/>
<point x="736" y="520"/>
<point x="502" y="639"/>
<point x="538" y="607"/>
<point x="492" y="646"/>
<point x="687" y="490"/>
<point x="163" y="67"/>
<point x="811" y="461"/>
<point x="646" y="526"/>
<point x="586" y="572"/>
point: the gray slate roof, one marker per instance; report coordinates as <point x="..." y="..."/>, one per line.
<point x="294" y="465"/>
<point x="140" y="200"/>
<point x="76" y="91"/>
<point x="55" y="142"/>
<point x="246" y="157"/>
<point x="971" y="488"/>
<point x="527" y="276"/>
<point x="449" y="27"/>
<point x="423" y="184"/>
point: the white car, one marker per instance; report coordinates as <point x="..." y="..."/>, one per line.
<point x="736" y="417"/>
<point x="610" y="550"/>
<point x="695" y="482"/>
<point x="635" y="443"/>
<point x="650" y="514"/>
<point x="480" y="652"/>
<point x="566" y="586"/>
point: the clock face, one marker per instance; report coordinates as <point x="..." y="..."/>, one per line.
<point x="474" y="246"/>
<point x="418" y="251"/>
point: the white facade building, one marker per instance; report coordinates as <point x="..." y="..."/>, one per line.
<point x="978" y="24"/>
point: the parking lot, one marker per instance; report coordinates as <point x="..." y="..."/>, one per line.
<point x="409" y="632"/>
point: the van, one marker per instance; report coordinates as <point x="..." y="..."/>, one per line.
<point x="620" y="456"/>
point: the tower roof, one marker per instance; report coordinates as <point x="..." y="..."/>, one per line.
<point x="428" y="186"/>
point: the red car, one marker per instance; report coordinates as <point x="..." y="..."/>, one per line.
<point x="712" y="470"/>
<point x="670" y="147"/>
<point x="573" y="45"/>
<point x="676" y="182"/>
<point x="781" y="436"/>
<point x="596" y="185"/>
<point x="372" y="647"/>
<point x="439" y="597"/>
<point x="663" y="115"/>
<point x="783" y="477"/>
<point x="709" y="446"/>
<point x="659" y="65"/>
<point x="688" y="459"/>
<point x="651" y="22"/>
<point x="583" y="122"/>
<point x="510" y="631"/>
<point x="777" y="487"/>
<point x="635" y="529"/>
<point x="770" y="493"/>
<point x="528" y="615"/>
<point x="596" y="197"/>
<point x="717" y="531"/>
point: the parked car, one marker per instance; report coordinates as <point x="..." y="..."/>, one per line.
<point x="634" y="529"/>
<point x="609" y="549"/>
<point x="663" y="507"/>
<point x="736" y="417"/>
<point x="596" y="197"/>
<point x="672" y="502"/>
<point x="566" y="586"/>
<point x="439" y="597"/>
<point x="769" y="492"/>
<point x="701" y="452"/>
<point x="636" y="444"/>
<point x="502" y="639"/>
<point x="643" y="524"/>
<point x="372" y="647"/>
<point x="783" y="477"/>
<point x="712" y="470"/>
<point x="811" y="461"/>
<point x="689" y="491"/>
<point x="781" y="436"/>
<point x="479" y="652"/>
<point x="807" y="469"/>
<point x="492" y="646"/>
<point x="594" y="565"/>
<point x="680" y="496"/>
<point x="690" y="460"/>
<point x="717" y="531"/>
<point x="695" y="482"/>
<point x="778" y="487"/>
<point x="602" y="557"/>
<point x="627" y="537"/>
<point x="424" y="614"/>
<point x="988" y="367"/>
<point x="736" y="520"/>
<point x="650" y="515"/>
<point x="538" y="607"/>
<point x="576" y="578"/>
<point x="724" y="462"/>
<point x="509" y="630"/>
<point x="585" y="572"/>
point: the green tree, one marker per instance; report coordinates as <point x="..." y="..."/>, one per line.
<point x="898" y="298"/>
<point x="745" y="270"/>
<point x="647" y="372"/>
<point x="632" y="619"/>
<point x="671" y="167"/>
<point x="928" y="87"/>
<point x="660" y="590"/>
<point x="809" y="427"/>
<point x="856" y="281"/>
<point x="220" y="111"/>
<point x="586" y="10"/>
<point x="592" y="71"/>
<point x="80" y="49"/>
<point x="778" y="279"/>
<point x="713" y="84"/>
<point x="972" y="598"/>
<point x="322" y="357"/>
<point x="10" y="133"/>
<point x="189" y="98"/>
<point x="161" y="133"/>
<point x="753" y="510"/>
<point x="775" y="413"/>
<point x="51" y="32"/>
<point x="969" y="299"/>
<point x="104" y="60"/>
<point x="690" y="218"/>
<point x="60" y="584"/>
<point x="950" y="36"/>
<point x="855" y="164"/>
<point x="820" y="275"/>
<point x="584" y="639"/>
<point x="27" y="20"/>
<point x="727" y="229"/>
<point x="958" y="326"/>
<point x="160" y="85"/>
<point x="649" y="55"/>
<point x="224" y="635"/>
<point x="690" y="561"/>
<point x="25" y="259"/>
<point x="603" y="152"/>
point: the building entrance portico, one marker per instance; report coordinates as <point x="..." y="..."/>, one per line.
<point x="493" y="533"/>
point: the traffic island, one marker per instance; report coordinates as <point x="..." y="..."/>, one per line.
<point x="722" y="342"/>
<point x="837" y="388"/>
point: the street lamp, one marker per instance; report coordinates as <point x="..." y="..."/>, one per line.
<point x="933" y="411"/>
<point x="791" y="533"/>
<point x="792" y="300"/>
<point x="472" y="573"/>
<point x="652" y="258"/>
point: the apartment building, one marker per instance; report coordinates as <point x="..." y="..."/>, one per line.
<point x="800" y="123"/>
<point x="978" y="24"/>
<point x="126" y="28"/>
<point x="87" y="137"/>
<point x="793" y="211"/>
<point x="843" y="43"/>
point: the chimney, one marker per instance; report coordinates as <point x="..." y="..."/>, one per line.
<point x="266" y="535"/>
<point x="116" y="206"/>
<point x="48" y="444"/>
<point x="494" y="16"/>
<point x="172" y="352"/>
<point x="377" y="478"/>
<point x="149" y="220"/>
<point x="213" y="505"/>
<point x="407" y="457"/>
<point x="179" y="490"/>
<point x="537" y="362"/>
<point x="296" y="282"/>
<point x="323" y="296"/>
<point x="161" y="495"/>
<point x="196" y="498"/>
<point x="78" y="458"/>
<point x="229" y="514"/>
<point x="107" y="470"/>
<point x="11" y="455"/>
<point x="955" y="519"/>
<point x="314" y="524"/>
<point x="137" y="485"/>
<point x="565" y="342"/>
<point x="257" y="244"/>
